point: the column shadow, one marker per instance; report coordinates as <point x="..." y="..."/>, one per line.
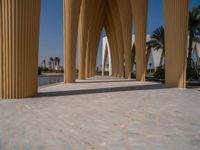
<point x="102" y="90"/>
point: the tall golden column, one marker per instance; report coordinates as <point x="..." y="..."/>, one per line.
<point x="19" y="40"/>
<point x="95" y="34"/>
<point x="139" y="10"/>
<point x="71" y="17"/>
<point x="176" y="14"/>
<point x="85" y="16"/>
<point x="126" y="23"/>
<point x="114" y="18"/>
<point x="1" y="52"/>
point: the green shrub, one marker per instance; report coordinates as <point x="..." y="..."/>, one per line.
<point x="45" y="69"/>
<point x="39" y="70"/>
<point x="160" y="73"/>
<point x="192" y="73"/>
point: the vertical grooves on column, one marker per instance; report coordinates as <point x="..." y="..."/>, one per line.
<point x="71" y="15"/>
<point x="13" y="51"/>
<point x="176" y="14"/>
<point x="117" y="27"/>
<point x="94" y="34"/>
<point x="9" y="57"/>
<point x="82" y="36"/>
<point x="6" y="47"/>
<point x="1" y="50"/>
<point x="12" y="47"/>
<point x="126" y="23"/>
<point x="19" y="32"/>
<point x="30" y="45"/>
<point x="139" y="10"/>
<point x="24" y="53"/>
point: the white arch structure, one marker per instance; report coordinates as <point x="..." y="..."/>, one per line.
<point x="106" y="53"/>
<point x="156" y="54"/>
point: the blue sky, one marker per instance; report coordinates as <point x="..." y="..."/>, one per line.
<point x="51" y="27"/>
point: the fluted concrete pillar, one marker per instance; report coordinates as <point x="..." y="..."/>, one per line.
<point x="139" y="10"/>
<point x="94" y="34"/>
<point x="19" y="36"/>
<point x="84" y="25"/>
<point x="114" y="14"/>
<point x="176" y="14"/>
<point x="1" y="52"/>
<point x="126" y="24"/>
<point x="71" y="17"/>
<point x="93" y="14"/>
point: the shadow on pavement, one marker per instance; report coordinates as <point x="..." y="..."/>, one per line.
<point x="102" y="90"/>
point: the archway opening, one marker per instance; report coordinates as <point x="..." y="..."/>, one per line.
<point x="106" y="56"/>
<point x="50" y="60"/>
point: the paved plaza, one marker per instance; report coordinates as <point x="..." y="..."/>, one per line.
<point x="103" y="114"/>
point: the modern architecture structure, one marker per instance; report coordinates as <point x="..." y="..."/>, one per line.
<point x="156" y="55"/>
<point x="19" y="36"/>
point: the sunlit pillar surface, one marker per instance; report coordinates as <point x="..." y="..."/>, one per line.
<point x="19" y="40"/>
<point x="139" y="10"/>
<point x="71" y="16"/>
<point x="176" y="14"/>
<point x="126" y="24"/>
<point x="85" y="16"/>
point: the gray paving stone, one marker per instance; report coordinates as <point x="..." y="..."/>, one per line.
<point x="103" y="114"/>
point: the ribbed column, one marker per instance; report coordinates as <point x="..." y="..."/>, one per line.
<point x="94" y="34"/>
<point x="126" y="23"/>
<point x="112" y="39"/>
<point x="176" y="14"/>
<point x="139" y="10"/>
<point x="114" y="14"/>
<point x="19" y="36"/>
<point x="1" y="52"/>
<point x="71" y="16"/>
<point x="93" y="9"/>
<point x="85" y="16"/>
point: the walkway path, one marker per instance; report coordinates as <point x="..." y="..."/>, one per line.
<point x="103" y="114"/>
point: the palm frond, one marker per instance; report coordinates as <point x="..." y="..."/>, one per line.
<point x="157" y="39"/>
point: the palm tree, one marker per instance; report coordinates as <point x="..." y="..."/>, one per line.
<point x="52" y="62"/>
<point x="44" y="63"/>
<point x="194" y="28"/>
<point x="158" y="37"/>
<point x="57" y="61"/>
<point x="158" y="41"/>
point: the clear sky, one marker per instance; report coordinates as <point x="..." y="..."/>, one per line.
<point x="51" y="28"/>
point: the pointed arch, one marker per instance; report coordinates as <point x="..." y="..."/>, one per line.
<point x="106" y="54"/>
